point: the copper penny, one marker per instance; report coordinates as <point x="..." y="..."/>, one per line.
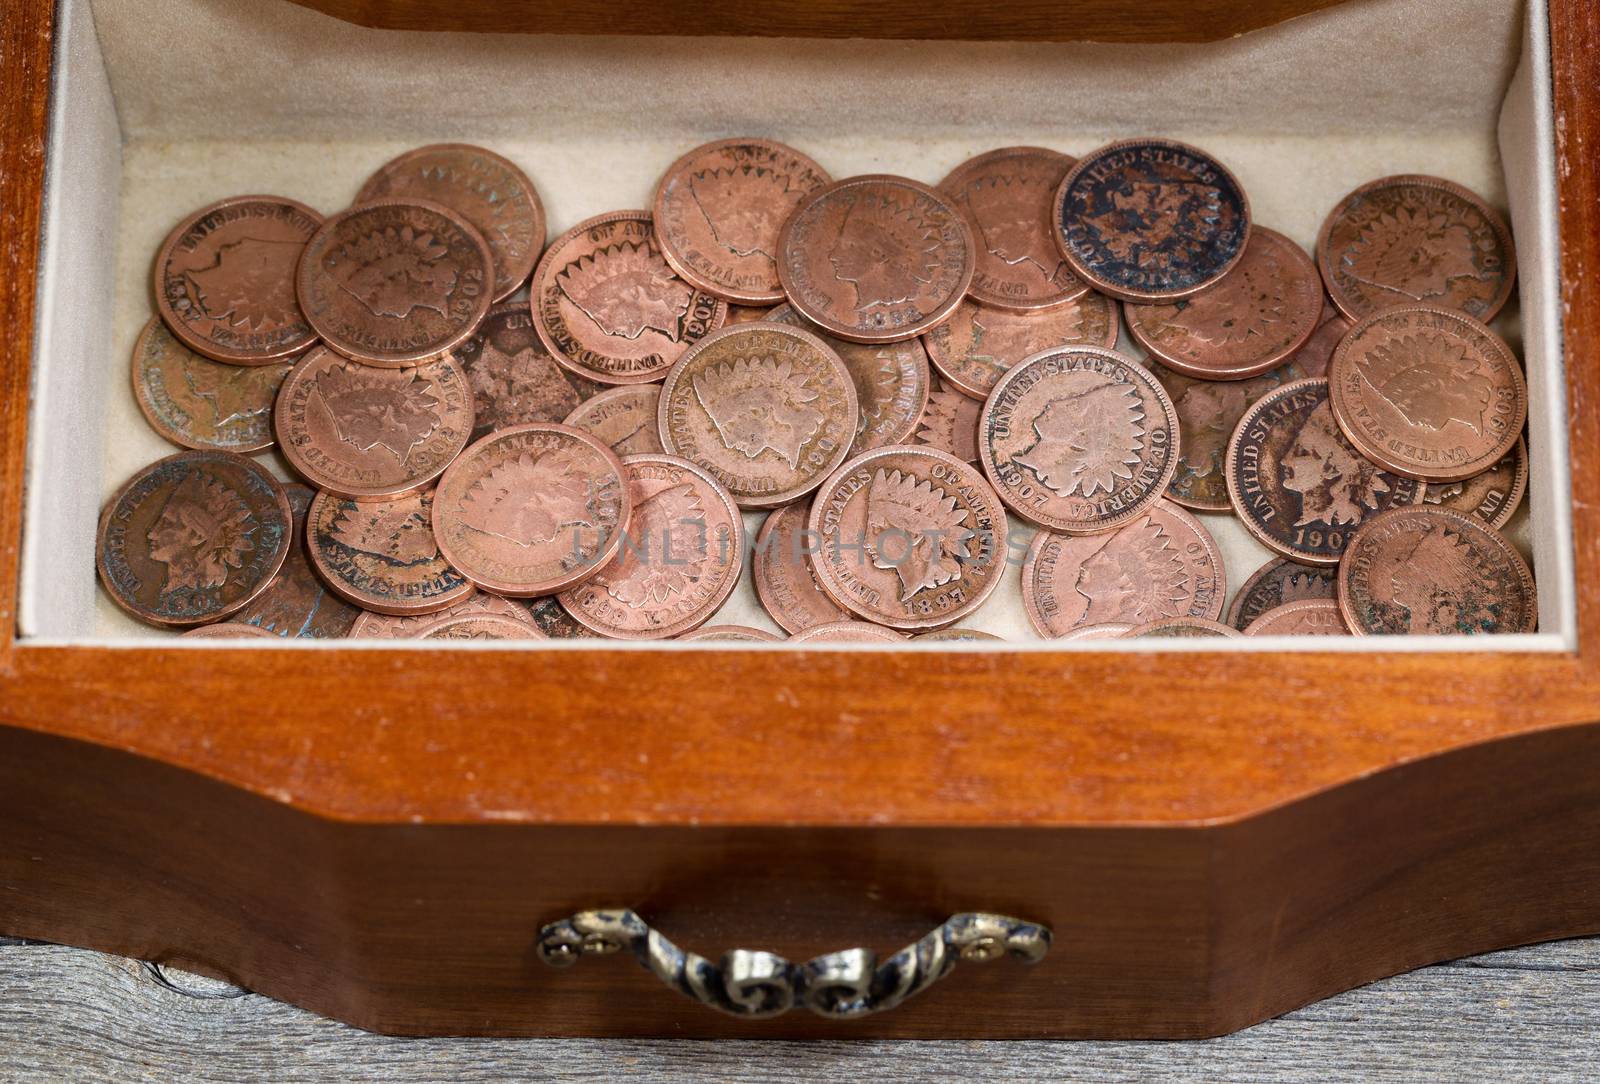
<point x="1316" y="355"/>
<point x="732" y="634"/>
<point x="296" y="604"/>
<point x="1079" y="439"/>
<point x="1111" y="630"/>
<point x="1151" y="220"/>
<point x="224" y="279"/>
<point x="608" y="306"/>
<point x="1208" y="412"/>
<point x="1297" y="483"/>
<point x="1181" y="628"/>
<point x="1008" y="196"/>
<point x="193" y="538"/>
<point x="784" y="579"/>
<point x="395" y="282"/>
<point x="719" y="209"/>
<point x="376" y="626"/>
<point x="1437" y="572"/>
<point x="198" y="403"/>
<point x="769" y="410"/>
<point x="1277" y="583"/>
<point x="382" y="555"/>
<point x="229" y="630"/>
<point x="847" y="632"/>
<point x="514" y="379"/>
<point x="1308" y="617"/>
<point x="1428" y="393"/>
<point x="959" y="636"/>
<point x="975" y="347"/>
<point x="875" y="258"/>
<point x="532" y="510"/>
<point x="680" y="558"/>
<point x="1163" y="564"/>
<point x="489" y="191"/>
<point x="1492" y="496"/>
<point x="892" y="382"/>
<point x="1412" y="239"/>
<point x="370" y="433"/>
<point x="623" y="418"/>
<point x="1247" y="322"/>
<point x="478" y="627"/>
<point x="911" y="538"/>
<point x="950" y="423"/>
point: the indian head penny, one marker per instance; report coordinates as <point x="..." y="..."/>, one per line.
<point x="1253" y="318"/>
<point x="1151" y="220"/>
<point x="732" y="634"/>
<point x="1163" y="564"/>
<point x="785" y="582"/>
<point x="1429" y="571"/>
<point x="198" y="403"/>
<point x="1208" y="412"/>
<point x="1007" y="196"/>
<point x="372" y="433"/>
<point x="297" y="604"/>
<point x="1181" y="628"/>
<point x="680" y="558"/>
<point x="1308" y="617"/>
<point x="978" y="344"/>
<point x="532" y="510"/>
<point x="1297" y="483"/>
<point x="225" y="279"/>
<point x="1492" y="496"/>
<point x="193" y="538"/>
<point x="769" y="410"/>
<point x="382" y="555"/>
<point x="848" y="632"/>
<point x="1416" y="240"/>
<point x="513" y="377"/>
<point x="910" y="538"/>
<point x="950" y="423"/>
<point x="229" y="630"/>
<point x="1079" y="439"/>
<point x="489" y="191"/>
<point x="610" y="308"/>
<point x="1428" y="393"/>
<point x="478" y="627"/>
<point x="719" y="209"/>
<point x="623" y="418"/>
<point x="376" y="626"/>
<point x="395" y="282"/>
<point x="875" y="258"/>
<point x="1277" y="583"/>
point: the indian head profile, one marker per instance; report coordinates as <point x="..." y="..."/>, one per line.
<point x="530" y="498"/>
<point x="627" y="288"/>
<point x="664" y="552"/>
<point x="744" y="206"/>
<point x="396" y="270"/>
<point x="1335" y="484"/>
<point x="916" y="529"/>
<point x="1441" y="583"/>
<point x="760" y="404"/>
<point x="1007" y="211"/>
<point x="1207" y="412"/>
<point x="204" y="530"/>
<point x="1429" y="380"/>
<point x="885" y="250"/>
<point x="1413" y="252"/>
<point x="1088" y="438"/>
<point x="1136" y="576"/>
<point x="372" y="407"/>
<point x="249" y="283"/>
<point x="397" y="531"/>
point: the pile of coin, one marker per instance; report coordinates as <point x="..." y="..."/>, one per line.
<point x="915" y="385"/>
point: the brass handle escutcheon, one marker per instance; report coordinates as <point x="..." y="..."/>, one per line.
<point x="840" y="984"/>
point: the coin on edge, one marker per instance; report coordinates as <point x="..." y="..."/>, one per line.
<point x="847" y="632"/>
<point x="1431" y="571"/>
<point x="297" y="604"/>
<point x="732" y="634"/>
<point x="382" y="555"/>
<point x="1079" y="439"/>
<point x="623" y="418"/>
<point x="975" y="347"/>
<point x="202" y="404"/>
<point x="784" y="580"/>
<point x="1492" y="496"/>
<point x="1308" y="617"/>
<point x="375" y="626"/>
<point x="513" y="377"/>
<point x="1208" y="413"/>
<point x="1278" y="582"/>
<point x="193" y="537"/>
<point x="225" y="279"/>
<point x="1181" y="628"/>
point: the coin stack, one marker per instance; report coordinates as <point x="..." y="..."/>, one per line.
<point x="914" y="385"/>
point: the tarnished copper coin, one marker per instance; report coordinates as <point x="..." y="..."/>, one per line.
<point x="1492" y="496"/>
<point x="1412" y="240"/>
<point x="1079" y="439"/>
<point x="532" y="510"/>
<point x="785" y="582"/>
<point x="1297" y="483"/>
<point x="1151" y="220"/>
<point x="848" y="632"/>
<point x="225" y="279"/>
<point x="608" y="306"/>
<point x="372" y="433"/>
<point x="892" y="382"/>
<point x="297" y="604"/>
<point x="489" y="191"/>
<point x="950" y="423"/>
<point x="975" y="347"/>
<point x="1111" y="630"/>
<point x="732" y="634"/>
<point x="680" y="558"/>
<point x="769" y="410"/>
<point x="1250" y="320"/>
<point x="1308" y="617"/>
<point x="395" y="282"/>
<point x="1163" y="564"/>
<point x="1428" y="393"/>
<point x="514" y="379"/>
<point x="1277" y="583"/>
<point x="747" y="314"/>
<point x="382" y="555"/>
<point x="958" y="636"/>
<point x="229" y="630"/>
<point x="376" y="626"/>
<point x="550" y="619"/>
<point x="875" y="258"/>
<point x="1008" y="197"/>
<point x="1208" y="412"/>
<point x="478" y="627"/>
<point x="192" y="538"/>
<point x="719" y="209"/>
<point x="910" y="538"/>
<point x="623" y="418"/>
<point x="198" y="403"/>
<point x="1435" y="572"/>
<point x="1182" y="628"/>
<point x="1316" y="355"/>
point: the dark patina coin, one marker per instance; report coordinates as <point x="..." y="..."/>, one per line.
<point x="513" y="377"/>
<point x="382" y="555"/>
<point x="1280" y="582"/>
<point x="297" y="603"/>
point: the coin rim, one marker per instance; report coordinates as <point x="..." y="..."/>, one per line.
<point x="1296" y="606"/>
<point x="710" y="632"/>
<point x="758" y="567"/>
<point x="141" y="395"/>
<point x="1519" y="487"/>
<point x="815" y="634"/>
<point x="425" y="632"/>
<point x="972" y="391"/>
<point x="1236" y="605"/>
<point x="1144" y="631"/>
<point x="372" y="602"/>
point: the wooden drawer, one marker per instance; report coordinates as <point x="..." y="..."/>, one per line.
<point x="379" y="833"/>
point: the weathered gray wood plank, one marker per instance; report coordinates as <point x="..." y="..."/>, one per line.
<point x="1522" y="1015"/>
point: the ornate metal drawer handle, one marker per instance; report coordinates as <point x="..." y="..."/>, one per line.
<point x="841" y="984"/>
